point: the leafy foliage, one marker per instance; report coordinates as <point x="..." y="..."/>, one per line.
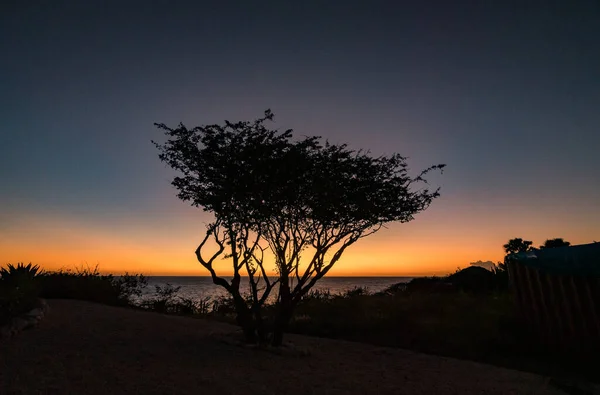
<point x="555" y="243"/>
<point x="272" y="194"/>
<point x="517" y="245"/>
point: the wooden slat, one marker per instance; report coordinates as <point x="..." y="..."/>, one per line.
<point x="534" y="302"/>
<point x="558" y="321"/>
<point x="566" y="307"/>
<point x="524" y="302"/>
<point x="595" y="320"/>
<point x="546" y="321"/>
<point x="582" y="318"/>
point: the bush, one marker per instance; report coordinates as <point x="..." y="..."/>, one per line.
<point x="429" y="285"/>
<point x="483" y="327"/>
<point x="223" y="306"/>
<point x="18" y="275"/>
<point x="393" y="289"/>
<point x="130" y="286"/>
<point x="474" y="279"/>
<point x="19" y="289"/>
<point x="356" y="291"/>
<point x="187" y="306"/>
<point x="89" y="284"/>
<point x="458" y="324"/>
<point x="15" y="302"/>
<point x="166" y="300"/>
<point x="318" y="294"/>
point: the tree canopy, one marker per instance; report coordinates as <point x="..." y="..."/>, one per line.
<point x="554" y="243"/>
<point x="303" y="201"/>
<point x="517" y="245"/>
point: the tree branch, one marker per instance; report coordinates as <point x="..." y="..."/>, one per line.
<point x="214" y="231"/>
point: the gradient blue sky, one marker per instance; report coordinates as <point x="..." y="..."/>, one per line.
<point x="506" y="94"/>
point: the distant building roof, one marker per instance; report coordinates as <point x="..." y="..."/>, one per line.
<point x="581" y="259"/>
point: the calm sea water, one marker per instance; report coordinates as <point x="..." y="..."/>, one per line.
<point x="197" y="288"/>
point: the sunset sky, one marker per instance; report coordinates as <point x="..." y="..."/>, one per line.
<point x="507" y="95"/>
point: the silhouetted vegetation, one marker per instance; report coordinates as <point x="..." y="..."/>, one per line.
<point x="555" y="243"/>
<point x="167" y="300"/>
<point x="468" y="314"/>
<point x="90" y="284"/>
<point x="517" y="245"/>
<point x="478" y="326"/>
<point x="424" y="315"/>
<point x="450" y="323"/>
<point x="19" y="289"/>
<point x="288" y="198"/>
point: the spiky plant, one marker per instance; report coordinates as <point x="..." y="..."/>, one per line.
<point x="16" y="274"/>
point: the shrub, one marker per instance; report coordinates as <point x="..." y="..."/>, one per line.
<point x="166" y="300"/>
<point x="474" y="279"/>
<point x="19" y="289"/>
<point x="163" y="300"/>
<point x="15" y="301"/>
<point x="458" y="324"/>
<point x="356" y="291"/>
<point x="223" y="306"/>
<point x="317" y="294"/>
<point x="187" y="306"/>
<point x="18" y="275"/>
<point x="89" y="284"/>
<point x="393" y="289"/>
<point x="130" y="286"/>
<point x="429" y="285"/>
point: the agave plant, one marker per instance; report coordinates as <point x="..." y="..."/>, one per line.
<point x="18" y="274"/>
<point x="19" y="288"/>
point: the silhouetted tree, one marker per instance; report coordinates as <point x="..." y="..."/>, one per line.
<point x="517" y="245"/>
<point x="514" y="246"/>
<point x="553" y="243"/>
<point x="273" y="196"/>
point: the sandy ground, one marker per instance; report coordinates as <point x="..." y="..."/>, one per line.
<point x="85" y="348"/>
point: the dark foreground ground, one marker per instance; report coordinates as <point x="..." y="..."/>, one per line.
<point x="85" y="348"/>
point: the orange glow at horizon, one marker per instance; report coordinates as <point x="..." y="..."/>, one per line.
<point x="436" y="243"/>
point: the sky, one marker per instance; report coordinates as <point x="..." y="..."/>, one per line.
<point x="506" y="93"/>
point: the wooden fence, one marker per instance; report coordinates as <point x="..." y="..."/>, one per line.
<point x="564" y="310"/>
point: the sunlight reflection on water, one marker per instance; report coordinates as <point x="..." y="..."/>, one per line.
<point x="197" y="288"/>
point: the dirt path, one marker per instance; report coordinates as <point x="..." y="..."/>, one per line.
<point x="84" y="348"/>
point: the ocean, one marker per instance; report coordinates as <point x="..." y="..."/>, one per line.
<point x="198" y="288"/>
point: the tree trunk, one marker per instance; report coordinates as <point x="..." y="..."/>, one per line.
<point x="259" y="324"/>
<point x="282" y="319"/>
<point x="245" y="320"/>
<point x="283" y="312"/>
<point x="280" y="326"/>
